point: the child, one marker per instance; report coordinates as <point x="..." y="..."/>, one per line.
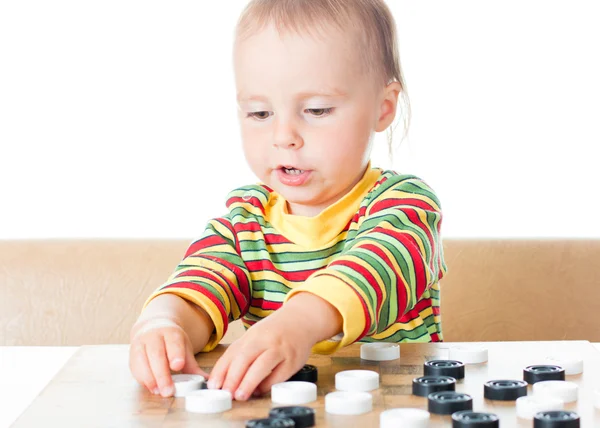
<point x="326" y="246"/>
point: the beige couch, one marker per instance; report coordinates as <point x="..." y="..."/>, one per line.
<point x="75" y="292"/>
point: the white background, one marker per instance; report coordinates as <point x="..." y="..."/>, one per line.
<point x="117" y="118"/>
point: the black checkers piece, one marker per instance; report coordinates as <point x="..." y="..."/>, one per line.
<point x="308" y="373"/>
<point x="270" y="423"/>
<point x="448" y="402"/>
<point x="504" y="390"/>
<point x="451" y="368"/>
<point x="303" y="417"/>
<point x="423" y="386"/>
<point x="556" y="419"/>
<point x="469" y="419"/>
<point x="533" y="374"/>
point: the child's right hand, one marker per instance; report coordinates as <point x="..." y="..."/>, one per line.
<point x="158" y="346"/>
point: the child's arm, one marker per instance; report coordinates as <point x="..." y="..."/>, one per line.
<point x="166" y="337"/>
<point x="209" y="288"/>
<point x="395" y="258"/>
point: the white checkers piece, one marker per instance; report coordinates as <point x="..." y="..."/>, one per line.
<point x="208" y="401"/>
<point x="563" y="390"/>
<point x="357" y="380"/>
<point x="294" y="393"/>
<point x="348" y="403"/>
<point x="468" y="354"/>
<point x="380" y="351"/>
<point x="413" y="418"/>
<point x="186" y="383"/>
<point x="530" y="405"/>
<point x="572" y="365"/>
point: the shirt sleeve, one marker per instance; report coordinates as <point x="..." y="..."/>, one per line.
<point x="384" y="271"/>
<point x="213" y="276"/>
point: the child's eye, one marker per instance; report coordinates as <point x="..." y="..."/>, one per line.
<point x="259" y="115"/>
<point x="319" y="112"/>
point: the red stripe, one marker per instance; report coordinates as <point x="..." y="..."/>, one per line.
<point x="271" y="239"/>
<point x="400" y="203"/>
<point x="267" y="266"/>
<point x="204" y="243"/>
<point x="265" y="304"/>
<point x="195" y="287"/>
<point x="415" y="312"/>
<point x="252" y="226"/>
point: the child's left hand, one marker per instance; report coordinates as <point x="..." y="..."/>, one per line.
<point x="275" y="348"/>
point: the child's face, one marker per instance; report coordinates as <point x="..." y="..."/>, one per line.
<point x="303" y="104"/>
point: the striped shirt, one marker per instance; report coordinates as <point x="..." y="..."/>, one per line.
<point x="376" y="255"/>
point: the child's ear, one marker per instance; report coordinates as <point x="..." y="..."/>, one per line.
<point x="388" y="106"/>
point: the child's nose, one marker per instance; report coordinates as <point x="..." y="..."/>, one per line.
<point x="286" y="136"/>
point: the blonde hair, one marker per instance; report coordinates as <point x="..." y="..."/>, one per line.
<point x="371" y="21"/>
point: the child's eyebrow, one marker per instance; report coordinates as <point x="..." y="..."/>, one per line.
<point x="333" y="93"/>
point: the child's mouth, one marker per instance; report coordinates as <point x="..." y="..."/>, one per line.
<point x="292" y="176"/>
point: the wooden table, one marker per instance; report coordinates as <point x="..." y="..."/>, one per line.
<point x="95" y="388"/>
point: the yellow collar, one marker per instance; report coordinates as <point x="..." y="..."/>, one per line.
<point x="318" y="231"/>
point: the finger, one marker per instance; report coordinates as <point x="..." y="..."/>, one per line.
<point x="191" y="366"/>
<point x="157" y="356"/>
<point x="281" y="373"/>
<point x="217" y="375"/>
<point x="140" y="368"/>
<point x="175" y="347"/>
<point x="237" y="370"/>
<point x="262" y="367"/>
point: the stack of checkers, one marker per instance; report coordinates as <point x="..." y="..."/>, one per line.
<point x="545" y="406"/>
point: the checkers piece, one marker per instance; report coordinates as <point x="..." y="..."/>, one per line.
<point x="308" y="373"/>
<point x="556" y="419"/>
<point x="573" y="365"/>
<point x="504" y="390"/>
<point x="448" y="402"/>
<point x="423" y="386"/>
<point x="271" y="423"/>
<point x="566" y="391"/>
<point x="469" y="419"/>
<point x="208" y="401"/>
<point x="529" y="406"/>
<point x="380" y="351"/>
<point x="348" y="403"/>
<point x="293" y="393"/>
<point x="186" y="383"/>
<point x="451" y="368"/>
<point x="468" y="354"/>
<point x="538" y="373"/>
<point x="404" y="417"/>
<point x="357" y="380"/>
<point x="303" y="417"/>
